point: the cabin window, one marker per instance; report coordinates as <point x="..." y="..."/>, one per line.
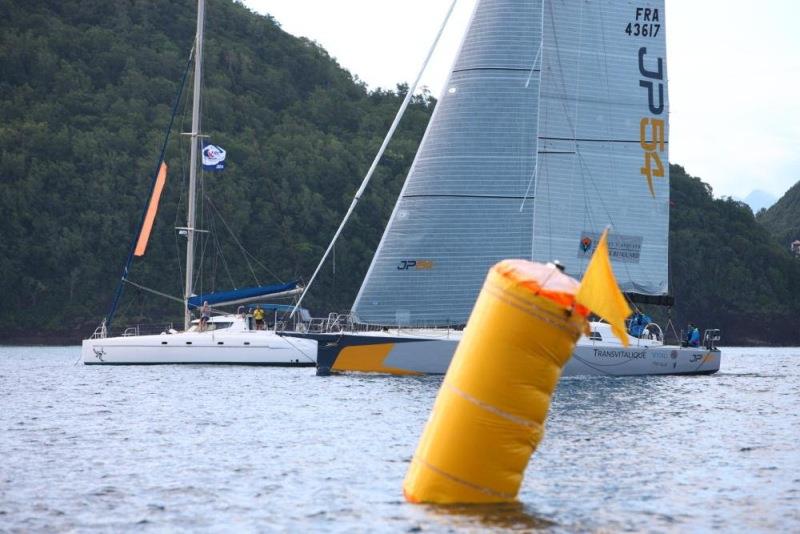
<point x="211" y="326"/>
<point x="595" y="336"/>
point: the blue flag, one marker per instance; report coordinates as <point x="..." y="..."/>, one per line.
<point x="213" y="157"/>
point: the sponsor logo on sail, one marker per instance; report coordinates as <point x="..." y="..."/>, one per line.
<point x="417" y="265"/>
<point x="621" y="248"/>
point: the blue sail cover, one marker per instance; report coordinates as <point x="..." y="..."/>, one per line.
<point x="240" y="295"/>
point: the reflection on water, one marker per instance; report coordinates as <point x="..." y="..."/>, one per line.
<point x="509" y="516"/>
<point x="244" y="448"/>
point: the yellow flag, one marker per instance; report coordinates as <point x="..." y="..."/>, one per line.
<point x="600" y="293"/>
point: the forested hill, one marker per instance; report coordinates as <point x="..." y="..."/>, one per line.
<point x="85" y="95"/>
<point x="727" y="271"/>
<point x="782" y="219"/>
<point x="86" y="91"/>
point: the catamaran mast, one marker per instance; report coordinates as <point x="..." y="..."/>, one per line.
<point x="195" y="138"/>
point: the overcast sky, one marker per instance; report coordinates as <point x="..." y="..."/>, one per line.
<point x="734" y="73"/>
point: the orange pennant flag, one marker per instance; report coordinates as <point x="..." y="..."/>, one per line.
<point x="600" y="293"/>
<point x="152" y="208"/>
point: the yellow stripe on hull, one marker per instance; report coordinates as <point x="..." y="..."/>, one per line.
<point x="368" y="359"/>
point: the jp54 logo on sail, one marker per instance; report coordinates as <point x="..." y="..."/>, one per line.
<point x="652" y="130"/>
<point x="419" y="265"/>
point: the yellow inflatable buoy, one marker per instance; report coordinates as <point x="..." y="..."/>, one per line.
<point x="489" y="414"/>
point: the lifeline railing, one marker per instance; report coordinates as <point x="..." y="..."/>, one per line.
<point x="101" y="332"/>
<point x="710" y="338"/>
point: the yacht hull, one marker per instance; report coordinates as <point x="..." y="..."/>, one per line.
<point x="400" y="354"/>
<point x="242" y="348"/>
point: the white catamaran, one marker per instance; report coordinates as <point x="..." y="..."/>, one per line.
<point x="553" y="125"/>
<point x="222" y="339"/>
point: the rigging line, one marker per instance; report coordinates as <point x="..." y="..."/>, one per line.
<point x="220" y="254"/>
<point x="533" y="65"/>
<point x="562" y="80"/>
<point x="586" y="213"/>
<point x="538" y="128"/>
<point x="530" y="183"/>
<point x="587" y="173"/>
<point x="204" y="239"/>
<point x="132" y="248"/>
<point x="527" y="83"/>
<point x="581" y="179"/>
<point x="599" y="197"/>
<point x="604" y="62"/>
<point x="183" y="188"/>
<point x="573" y="128"/>
<point x="208" y="246"/>
<point x="154" y="291"/>
<point x="300" y="350"/>
<point x="245" y="252"/>
<point x="389" y="134"/>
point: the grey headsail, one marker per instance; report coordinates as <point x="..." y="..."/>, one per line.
<point x="603" y="133"/>
<point x="459" y="210"/>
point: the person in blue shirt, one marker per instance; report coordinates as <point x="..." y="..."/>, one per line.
<point x="638" y="323"/>
<point x="693" y="336"/>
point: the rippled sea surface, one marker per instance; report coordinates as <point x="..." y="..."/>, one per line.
<point x="219" y="448"/>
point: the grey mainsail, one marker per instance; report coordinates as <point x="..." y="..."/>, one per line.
<point x="563" y="82"/>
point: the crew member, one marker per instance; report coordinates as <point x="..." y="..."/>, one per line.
<point x="693" y="336"/>
<point x="258" y="315"/>
<point x="205" y="315"/>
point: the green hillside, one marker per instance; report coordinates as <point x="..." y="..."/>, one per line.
<point x="727" y="271"/>
<point x="782" y="219"/>
<point x="85" y="96"/>
<point x="86" y="93"/>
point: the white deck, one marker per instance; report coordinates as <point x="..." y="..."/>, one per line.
<point x="228" y="340"/>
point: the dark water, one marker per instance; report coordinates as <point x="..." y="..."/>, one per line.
<point x="258" y="449"/>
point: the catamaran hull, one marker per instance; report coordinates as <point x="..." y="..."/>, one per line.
<point x="408" y="355"/>
<point x="246" y="348"/>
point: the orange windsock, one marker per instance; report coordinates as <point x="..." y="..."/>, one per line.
<point x="152" y="208"/>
